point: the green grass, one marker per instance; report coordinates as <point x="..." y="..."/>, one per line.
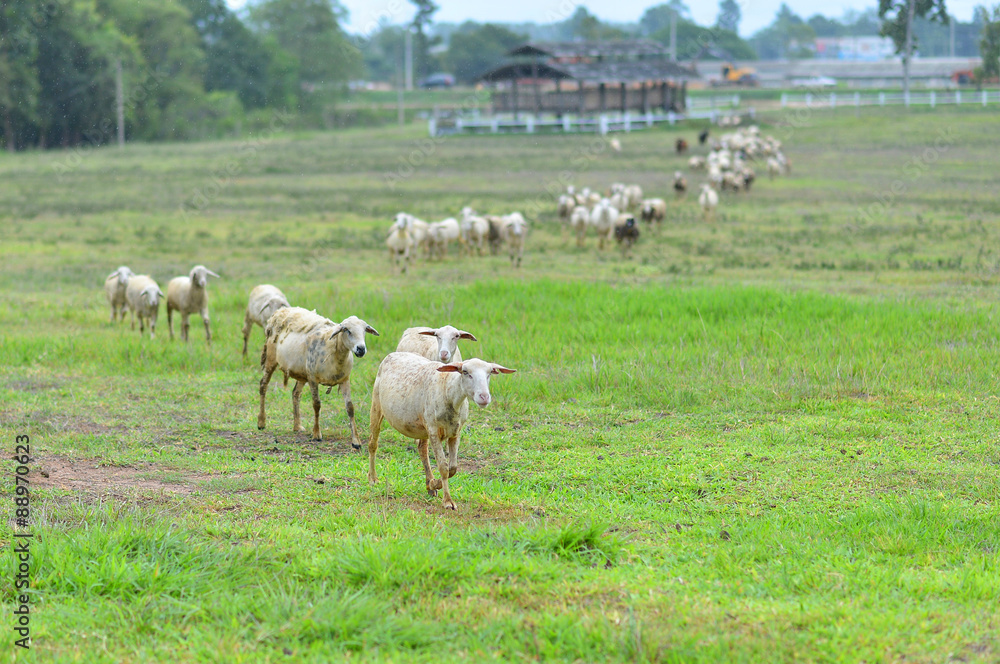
<point x="768" y="439"/>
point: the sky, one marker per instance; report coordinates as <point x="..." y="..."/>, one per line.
<point x="756" y="13"/>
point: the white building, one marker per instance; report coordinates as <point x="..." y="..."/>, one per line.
<point x="854" y="48"/>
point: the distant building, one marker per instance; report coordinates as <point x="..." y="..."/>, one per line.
<point x="870" y="48"/>
<point x="589" y="77"/>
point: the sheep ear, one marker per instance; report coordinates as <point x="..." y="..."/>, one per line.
<point x="497" y="369"/>
<point x="428" y="333"/>
<point x="212" y="274"/>
<point x="371" y="330"/>
<point x="115" y="273"/>
<point x="449" y="368"/>
<point x="340" y="328"/>
<point x="160" y="293"/>
<point x="462" y="334"/>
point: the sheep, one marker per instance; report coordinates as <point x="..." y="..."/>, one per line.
<point x="681" y="146"/>
<point x="441" y="234"/>
<point x="633" y="197"/>
<point x="440" y="345"/>
<point x="616" y="145"/>
<point x="602" y="218"/>
<point x="418" y="229"/>
<point x="626" y="233"/>
<point x="654" y="210"/>
<point x="708" y="200"/>
<point x="314" y="350"/>
<point x="616" y="188"/>
<point x="189" y="295"/>
<point x="696" y="163"/>
<point x="703" y="136"/>
<point x="474" y="231"/>
<point x="114" y="288"/>
<point x="578" y="222"/>
<point x="264" y="301"/>
<point x="773" y="167"/>
<point x="143" y="297"/>
<point x="565" y="207"/>
<point x="513" y="231"/>
<point x="680" y="185"/>
<point x="400" y="242"/>
<point x="428" y="401"/>
<point x="495" y="238"/>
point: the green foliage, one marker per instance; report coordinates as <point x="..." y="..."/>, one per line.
<point x="584" y="25"/>
<point x="475" y="48"/>
<point x="729" y="16"/>
<point x="989" y="44"/>
<point x="19" y="84"/>
<point x="895" y="16"/>
<point x="693" y="38"/>
<point x="788" y="36"/>
<point x="658" y="17"/>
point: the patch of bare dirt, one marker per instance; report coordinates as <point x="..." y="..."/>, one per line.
<point x="88" y="476"/>
<point x="30" y="385"/>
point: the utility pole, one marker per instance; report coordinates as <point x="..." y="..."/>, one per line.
<point x="120" y="102"/>
<point x="908" y="52"/>
<point x="673" y="35"/>
<point x="408" y="65"/>
<point x="400" y="83"/>
<point x="951" y="36"/>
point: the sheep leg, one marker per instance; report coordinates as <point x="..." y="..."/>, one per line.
<point x="185" y="325"/>
<point x="442" y="464"/>
<point x="170" y="322"/>
<point x="131" y="318"/>
<point x="208" y="328"/>
<point x="376" y="427"/>
<point x="152" y="326"/>
<point x="296" y="396"/>
<point x="432" y="484"/>
<point x="142" y="324"/>
<point x="316" y="406"/>
<point x="452" y="456"/>
<point x="345" y="391"/>
<point x="268" y="370"/>
<point x="247" y="328"/>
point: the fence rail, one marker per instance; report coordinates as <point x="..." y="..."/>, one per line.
<point x="932" y="98"/>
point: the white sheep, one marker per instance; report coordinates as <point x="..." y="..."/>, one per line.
<point x="708" y="200"/>
<point x="314" y="350"/>
<point x="418" y="229"/>
<point x="143" y="297"/>
<point x="578" y="222"/>
<point x="696" y="163"/>
<point x="475" y="231"/>
<point x="442" y="233"/>
<point x="400" y="243"/>
<point x="189" y="295"/>
<point x="680" y="185"/>
<point x="513" y="230"/>
<point x="603" y="218"/>
<point x="653" y="210"/>
<point x="566" y="205"/>
<point x="440" y="345"/>
<point x="616" y="145"/>
<point x="264" y="301"/>
<point x="429" y="402"/>
<point x="114" y="289"/>
<point x="633" y="197"/>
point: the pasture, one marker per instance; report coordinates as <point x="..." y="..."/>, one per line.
<point x="771" y="438"/>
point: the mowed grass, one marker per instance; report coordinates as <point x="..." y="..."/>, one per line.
<point x="768" y="439"/>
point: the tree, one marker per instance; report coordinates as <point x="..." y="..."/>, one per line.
<point x="691" y="38"/>
<point x="826" y="27"/>
<point x="658" y="17"/>
<point x="18" y="77"/>
<point x="989" y="44"/>
<point x="421" y="44"/>
<point x="729" y="16"/>
<point x="897" y="23"/>
<point x="475" y="49"/>
<point x="584" y="25"/>
<point x="787" y="37"/>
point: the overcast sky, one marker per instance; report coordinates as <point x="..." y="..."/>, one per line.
<point x="756" y="13"/>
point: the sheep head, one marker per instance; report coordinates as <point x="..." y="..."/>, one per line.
<point x="200" y="274"/>
<point x="352" y="331"/>
<point x="447" y="338"/>
<point x="475" y="377"/>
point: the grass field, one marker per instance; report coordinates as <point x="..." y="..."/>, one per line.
<point x="772" y="438"/>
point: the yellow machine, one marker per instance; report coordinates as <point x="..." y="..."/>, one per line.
<point x="733" y="75"/>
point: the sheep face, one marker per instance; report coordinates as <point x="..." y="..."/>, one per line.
<point x="476" y="378"/>
<point x="200" y="274"/>
<point x="151" y="295"/>
<point x="447" y="338"/>
<point x="352" y="331"/>
<point x="123" y="274"/>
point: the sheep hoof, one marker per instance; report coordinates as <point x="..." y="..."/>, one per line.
<point x="356" y="446"/>
<point x="450" y="505"/>
<point x="260" y="427"/>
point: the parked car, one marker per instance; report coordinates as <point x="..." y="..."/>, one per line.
<point x="439" y="80"/>
<point x="814" y="82"/>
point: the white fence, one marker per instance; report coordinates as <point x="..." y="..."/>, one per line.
<point x="601" y="124"/>
<point x="932" y="98"/>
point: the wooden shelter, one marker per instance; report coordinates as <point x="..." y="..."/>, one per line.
<point x="588" y="78"/>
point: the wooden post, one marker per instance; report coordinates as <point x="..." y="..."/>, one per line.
<point x="538" y="88"/>
<point x="645" y="98"/>
<point x="581" y="97"/>
<point x="602" y="92"/>
<point x="515" y="100"/>
<point x="664" y="96"/>
<point x="624" y="90"/>
<point x="120" y="102"/>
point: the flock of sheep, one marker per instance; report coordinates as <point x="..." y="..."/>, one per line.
<point x="728" y="166"/>
<point x="422" y="389"/>
<point x="474" y="233"/>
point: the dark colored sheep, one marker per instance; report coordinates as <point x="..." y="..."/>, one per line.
<point x="682" y="146"/>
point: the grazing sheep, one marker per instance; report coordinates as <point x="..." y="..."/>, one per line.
<point x="495" y="237"/>
<point x="143" y="297"/>
<point x="616" y="145"/>
<point x="680" y="185"/>
<point x="264" y="301"/>
<point x="314" y="350"/>
<point x="626" y="233"/>
<point x="440" y="345"/>
<point x="513" y="230"/>
<point x="748" y="177"/>
<point x="708" y="200"/>
<point x="602" y="218"/>
<point x="578" y="222"/>
<point x="696" y="163"/>
<point x="428" y="401"/>
<point x="114" y="289"/>
<point x="565" y="207"/>
<point x="441" y="234"/>
<point x="189" y="295"/>
<point x="474" y="231"/>
<point x="654" y="210"/>
<point x="681" y="146"/>
<point x="400" y="244"/>
<point x="773" y="167"/>
<point x="418" y="230"/>
<point x="616" y="188"/>
<point x="633" y="197"/>
<point x="703" y="136"/>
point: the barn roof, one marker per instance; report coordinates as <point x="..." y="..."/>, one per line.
<point x="642" y="48"/>
<point x="613" y="72"/>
